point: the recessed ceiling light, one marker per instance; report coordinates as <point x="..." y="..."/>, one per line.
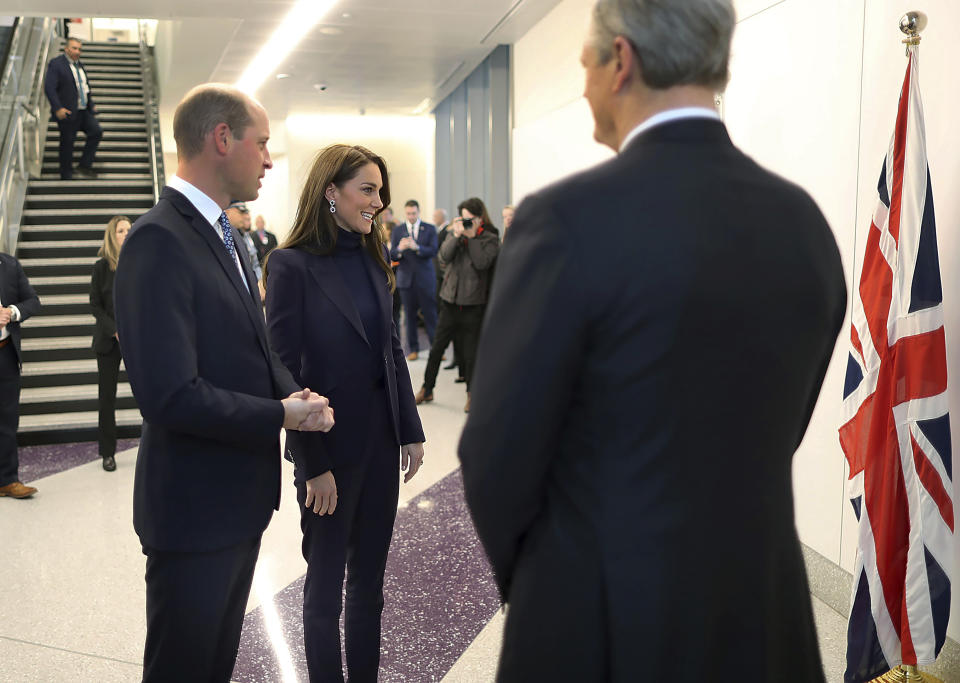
<point x="301" y="18"/>
<point x="280" y="77"/>
<point x="345" y="15"/>
<point x="331" y="31"/>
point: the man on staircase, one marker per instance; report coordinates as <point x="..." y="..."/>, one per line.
<point x="71" y="106"/>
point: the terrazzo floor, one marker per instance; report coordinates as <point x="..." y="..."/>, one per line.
<point x="72" y="574"/>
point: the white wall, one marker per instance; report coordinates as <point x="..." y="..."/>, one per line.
<point x="813" y="97"/>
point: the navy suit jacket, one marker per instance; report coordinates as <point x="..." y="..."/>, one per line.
<point x="645" y="485"/>
<point x="207" y="383"/>
<point x="61" y="88"/>
<point x="16" y="289"/>
<point x="416" y="267"/>
<point x="317" y="332"/>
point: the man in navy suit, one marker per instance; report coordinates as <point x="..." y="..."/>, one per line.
<point x="213" y="394"/>
<point x="18" y="301"/>
<point x="71" y="106"/>
<point x="414" y="244"/>
<point x="633" y="490"/>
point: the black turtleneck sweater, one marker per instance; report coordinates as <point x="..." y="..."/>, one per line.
<point x="351" y="259"/>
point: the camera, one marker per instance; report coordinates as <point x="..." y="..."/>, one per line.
<point x="467" y="223"/>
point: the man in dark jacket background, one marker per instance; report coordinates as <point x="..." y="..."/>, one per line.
<point x="71" y="106"/>
<point x="18" y="301"/>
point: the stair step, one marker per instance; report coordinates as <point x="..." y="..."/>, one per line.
<point x="61" y="367"/>
<point x="52" y="174"/>
<point x="66" y="244"/>
<point x="58" y="280"/>
<point x="65" y="300"/>
<point x="53" y="145"/>
<point x="115" y="156"/>
<point x="86" y="419"/>
<point x="98" y="183"/>
<point x="58" y="343"/>
<point x="40" y="213"/>
<point x="59" y="320"/>
<point x="77" y="392"/>
<point x="119" y="92"/>
<point x="118" y="198"/>
<point x="84" y="261"/>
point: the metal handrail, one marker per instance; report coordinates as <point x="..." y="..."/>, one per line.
<point x="149" y="102"/>
<point x="21" y="82"/>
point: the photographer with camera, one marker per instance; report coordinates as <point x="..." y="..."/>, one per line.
<point x="469" y="254"/>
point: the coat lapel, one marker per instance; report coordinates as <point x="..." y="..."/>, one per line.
<point x="384" y="297"/>
<point x="327" y="275"/>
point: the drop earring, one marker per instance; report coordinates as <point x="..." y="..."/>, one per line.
<point x="333" y="206"/>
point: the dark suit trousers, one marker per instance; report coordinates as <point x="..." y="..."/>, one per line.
<point x="9" y="414"/>
<point x="195" y="607"/>
<point x="357" y="536"/>
<point x="423" y="298"/>
<point x="80" y="120"/>
<point x="108" y="370"/>
<point x="460" y="323"/>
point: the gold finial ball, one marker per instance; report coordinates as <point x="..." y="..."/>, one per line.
<point x="912" y="23"/>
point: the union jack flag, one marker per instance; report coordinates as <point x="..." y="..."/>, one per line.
<point x="896" y="430"/>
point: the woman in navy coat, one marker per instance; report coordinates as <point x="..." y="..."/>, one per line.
<point x="329" y="314"/>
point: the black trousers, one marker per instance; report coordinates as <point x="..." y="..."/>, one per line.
<point x="9" y="414"/>
<point x="461" y="323"/>
<point x="84" y="120"/>
<point x="356" y="537"/>
<point x="108" y="371"/>
<point x="414" y="298"/>
<point x="195" y="607"/>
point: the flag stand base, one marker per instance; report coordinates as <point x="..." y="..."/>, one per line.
<point x="906" y="674"/>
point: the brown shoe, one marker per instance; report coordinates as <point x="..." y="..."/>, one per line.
<point x="423" y="396"/>
<point x="17" y="490"/>
<point x="413" y="356"/>
<point x="466" y="408"/>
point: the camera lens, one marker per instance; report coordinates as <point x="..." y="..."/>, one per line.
<point x="467" y="223"/>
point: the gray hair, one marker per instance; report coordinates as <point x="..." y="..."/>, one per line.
<point x="203" y="109"/>
<point x="678" y="42"/>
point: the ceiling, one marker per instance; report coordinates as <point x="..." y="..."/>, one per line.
<point x="372" y="56"/>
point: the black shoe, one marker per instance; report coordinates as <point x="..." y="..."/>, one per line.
<point x="460" y="380"/>
<point x="450" y="366"/>
<point x="109" y="464"/>
<point x="86" y="172"/>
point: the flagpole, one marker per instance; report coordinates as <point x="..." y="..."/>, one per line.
<point x="911" y="24"/>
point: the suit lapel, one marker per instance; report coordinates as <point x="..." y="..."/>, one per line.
<point x="327" y="275"/>
<point x="215" y="244"/>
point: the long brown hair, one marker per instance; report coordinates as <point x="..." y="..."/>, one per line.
<point x="110" y="250"/>
<point x="314" y="229"/>
<point x="477" y="208"/>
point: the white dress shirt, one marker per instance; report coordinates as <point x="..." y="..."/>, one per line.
<point x="80" y="79"/>
<point x="210" y="211"/>
<point x="668" y="116"/>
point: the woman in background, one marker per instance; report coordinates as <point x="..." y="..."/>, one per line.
<point x="105" y="342"/>
<point x="469" y="254"/>
<point x="329" y="318"/>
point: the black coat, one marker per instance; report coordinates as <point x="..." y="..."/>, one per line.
<point x="633" y="491"/>
<point x="16" y="290"/>
<point x="208" y="385"/>
<point x="317" y="332"/>
<point x="101" y="305"/>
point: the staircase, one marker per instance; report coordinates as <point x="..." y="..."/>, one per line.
<point x="61" y="230"/>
